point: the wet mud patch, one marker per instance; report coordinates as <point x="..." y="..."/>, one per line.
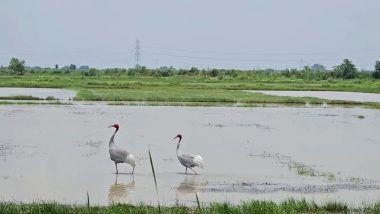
<point x="267" y="187"/>
<point x="359" y="116"/>
<point x="303" y="169"/>
<point x="296" y="166"/>
<point x="328" y="115"/>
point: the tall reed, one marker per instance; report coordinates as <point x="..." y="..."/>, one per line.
<point x="155" y="181"/>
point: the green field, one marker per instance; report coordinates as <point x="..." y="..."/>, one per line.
<point x="195" y="89"/>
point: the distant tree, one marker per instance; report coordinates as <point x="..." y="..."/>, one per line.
<point x="166" y="71"/>
<point x="214" y="72"/>
<point x="182" y="71"/>
<point x="286" y="73"/>
<point x="72" y="67"/>
<point x="17" y="66"/>
<point x="56" y="66"/>
<point x="143" y="70"/>
<point x="194" y="71"/>
<point x="307" y="68"/>
<point x="84" y="67"/>
<point x="346" y="70"/>
<point x="91" y="72"/>
<point x="318" y="67"/>
<point x="376" y="73"/>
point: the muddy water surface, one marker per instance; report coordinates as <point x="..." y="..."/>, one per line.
<point x="43" y="93"/>
<point x="61" y="152"/>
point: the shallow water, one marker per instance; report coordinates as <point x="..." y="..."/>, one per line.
<point x="43" y="93"/>
<point x="329" y="95"/>
<point x="61" y="152"/>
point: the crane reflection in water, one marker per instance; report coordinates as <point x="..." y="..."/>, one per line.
<point x="119" y="192"/>
<point x="187" y="188"/>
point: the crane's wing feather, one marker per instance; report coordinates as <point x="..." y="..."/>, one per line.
<point x="118" y="154"/>
<point x="191" y="160"/>
<point x="198" y="160"/>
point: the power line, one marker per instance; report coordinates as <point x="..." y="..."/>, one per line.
<point x="262" y="53"/>
<point x="137" y="49"/>
<point x="232" y="59"/>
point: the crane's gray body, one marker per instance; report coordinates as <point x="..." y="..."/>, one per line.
<point x="189" y="161"/>
<point x="119" y="155"/>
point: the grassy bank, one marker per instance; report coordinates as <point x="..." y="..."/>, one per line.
<point x="288" y="206"/>
<point x="123" y="81"/>
<point x="196" y="89"/>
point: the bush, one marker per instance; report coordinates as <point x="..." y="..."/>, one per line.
<point x="214" y="72"/>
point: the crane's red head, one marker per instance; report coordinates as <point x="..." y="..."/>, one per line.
<point x="116" y="126"/>
<point x="178" y="136"/>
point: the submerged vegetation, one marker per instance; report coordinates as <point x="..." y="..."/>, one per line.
<point x="26" y="97"/>
<point x="20" y="97"/>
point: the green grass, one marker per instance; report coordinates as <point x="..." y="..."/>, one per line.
<point x="179" y="94"/>
<point x="191" y="89"/>
<point x="255" y="206"/>
<point x="26" y="97"/>
<point x="202" y="97"/>
<point x="32" y="103"/>
<point x="20" y="97"/>
<point x="200" y="82"/>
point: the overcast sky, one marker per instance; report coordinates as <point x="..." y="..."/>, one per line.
<point x="184" y="33"/>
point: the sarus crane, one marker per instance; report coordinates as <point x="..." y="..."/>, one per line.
<point x="188" y="161"/>
<point x="119" y="155"/>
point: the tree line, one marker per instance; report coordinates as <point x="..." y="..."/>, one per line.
<point x="346" y="70"/>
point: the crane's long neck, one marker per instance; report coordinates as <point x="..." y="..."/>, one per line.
<point x="112" y="137"/>
<point x="178" y="151"/>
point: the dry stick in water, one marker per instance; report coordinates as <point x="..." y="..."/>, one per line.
<point x="88" y="200"/>
<point x="155" y="182"/>
<point x="199" y="205"/>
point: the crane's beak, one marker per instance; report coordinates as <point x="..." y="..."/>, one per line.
<point x="110" y="126"/>
<point x="175" y="138"/>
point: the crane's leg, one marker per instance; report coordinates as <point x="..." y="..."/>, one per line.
<point x="117" y="172"/>
<point x="133" y="169"/>
<point x="186" y="170"/>
<point x="193" y="171"/>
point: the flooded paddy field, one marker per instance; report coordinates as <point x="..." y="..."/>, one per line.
<point x="329" y="95"/>
<point x="59" y="153"/>
<point x="42" y="93"/>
